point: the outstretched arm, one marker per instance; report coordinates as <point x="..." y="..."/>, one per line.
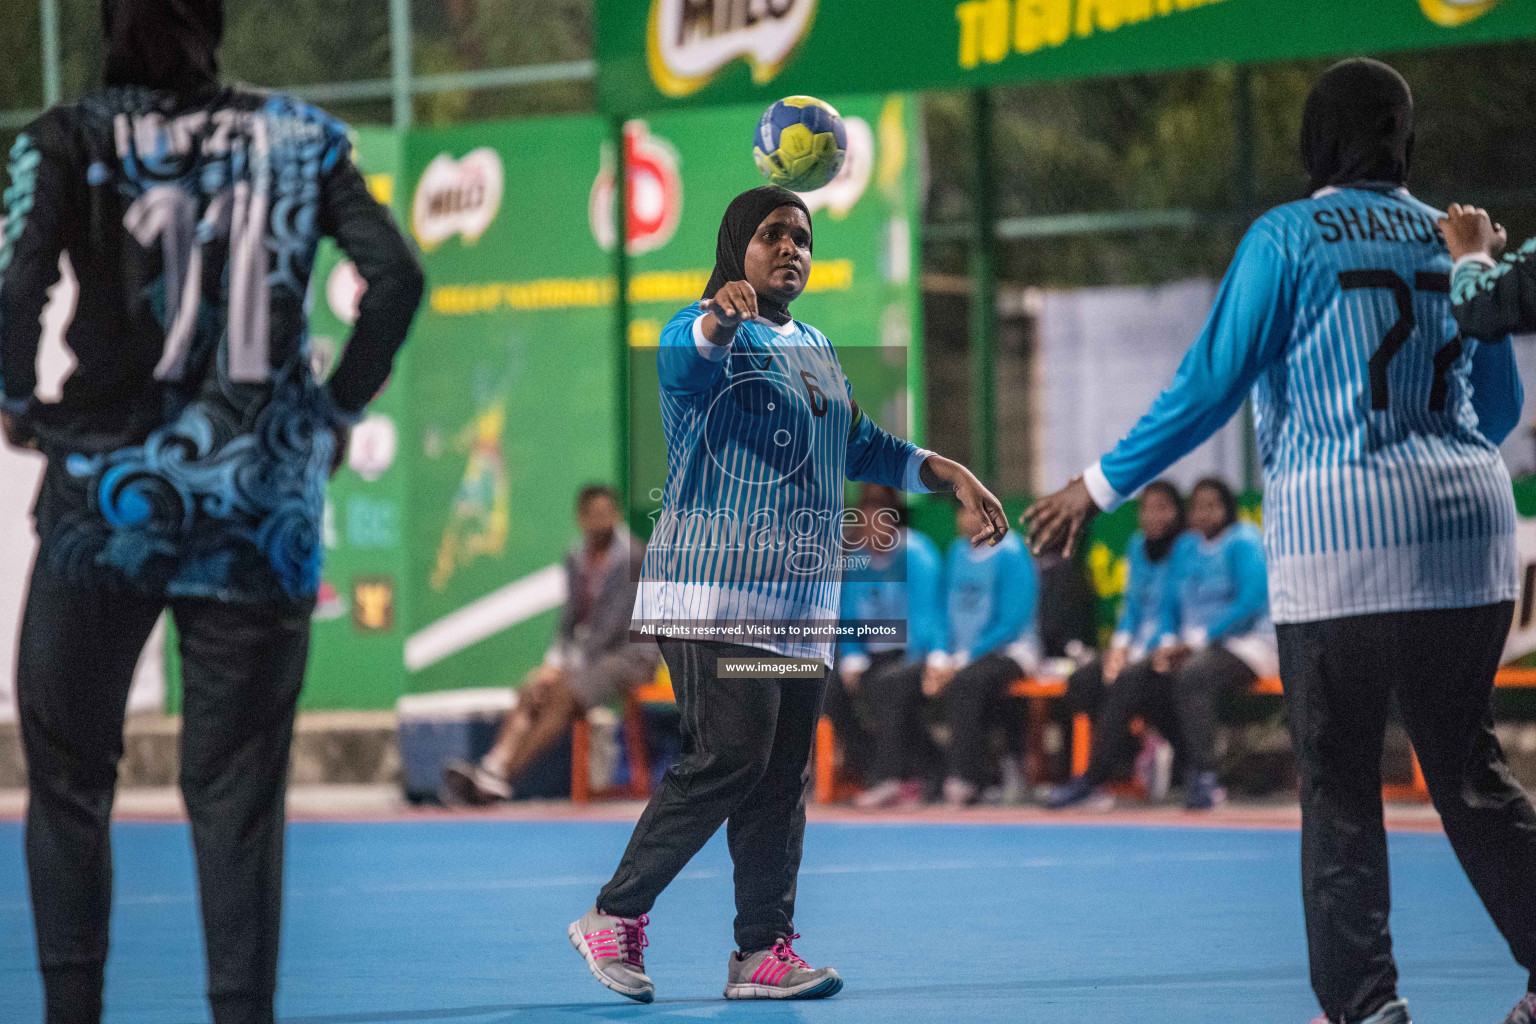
<point x="877" y="456"/>
<point x="1245" y="332"/>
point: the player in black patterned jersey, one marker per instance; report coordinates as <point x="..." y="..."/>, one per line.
<point x="187" y="463"/>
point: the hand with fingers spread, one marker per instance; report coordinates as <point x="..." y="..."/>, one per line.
<point x="946" y="475"/>
<point x="1059" y="522"/>
<point x="732" y="306"/>
<point x="1469" y="231"/>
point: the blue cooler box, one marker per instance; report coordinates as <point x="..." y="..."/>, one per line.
<point x="435" y="728"/>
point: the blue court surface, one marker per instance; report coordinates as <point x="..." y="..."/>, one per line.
<point x="451" y="920"/>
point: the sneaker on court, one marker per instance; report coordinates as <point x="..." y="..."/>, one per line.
<point x="960" y="792"/>
<point x="614" y="949"/>
<point x="473" y="785"/>
<point x="1395" y="1012"/>
<point x="890" y="794"/>
<point x="1524" y="1011"/>
<point x="1204" y="793"/>
<point x="878" y="796"/>
<point x="1079" y="793"/>
<point x="779" y="973"/>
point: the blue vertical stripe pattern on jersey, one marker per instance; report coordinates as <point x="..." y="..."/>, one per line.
<point x="760" y="437"/>
<point x="1383" y="489"/>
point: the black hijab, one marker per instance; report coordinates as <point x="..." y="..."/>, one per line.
<point x="163" y="44"/>
<point x="1358" y="126"/>
<point x="741" y="221"/>
<point x="1157" y="549"/>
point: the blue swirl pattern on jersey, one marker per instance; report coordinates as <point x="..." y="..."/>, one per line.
<point x="225" y="498"/>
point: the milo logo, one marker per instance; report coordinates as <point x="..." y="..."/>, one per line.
<point x="689" y="40"/>
<point x="457" y="197"/>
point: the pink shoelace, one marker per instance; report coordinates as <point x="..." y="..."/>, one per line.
<point x="785" y="952"/>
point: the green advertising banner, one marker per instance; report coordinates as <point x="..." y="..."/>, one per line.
<point x="654" y="54"/>
<point x="359" y="621"/>
<point x="514" y="369"/>
<point x="512" y="390"/>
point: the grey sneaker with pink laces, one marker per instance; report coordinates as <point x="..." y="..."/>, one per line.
<point x="1524" y="1011"/>
<point x="779" y="973"/>
<point x="614" y="949"/>
<point x="1395" y="1012"/>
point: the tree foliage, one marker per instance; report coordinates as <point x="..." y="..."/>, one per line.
<point x="1134" y="143"/>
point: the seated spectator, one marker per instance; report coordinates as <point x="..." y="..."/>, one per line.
<point x="1069" y="606"/>
<point x="590" y="662"/>
<point x="881" y="681"/>
<point x="1160" y="516"/>
<point x="991" y="596"/>
<point x="1215" y="637"/>
<point x="1217" y="634"/>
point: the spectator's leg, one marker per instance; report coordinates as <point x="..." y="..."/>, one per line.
<point x="970" y="704"/>
<point x="78" y="649"/>
<point x="728" y="726"/>
<point x="840" y="708"/>
<point x="1449" y="662"/>
<point x="1086" y="690"/>
<point x="766" y="832"/>
<point x="547" y="721"/>
<point x="895" y="696"/>
<point x="516" y="725"/>
<point x="1128" y="696"/>
<point x="1196" y="687"/>
<point x="1160" y="710"/>
<point x="242" y="669"/>
<point x="1337" y="676"/>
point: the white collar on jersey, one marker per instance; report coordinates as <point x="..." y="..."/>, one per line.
<point x="782" y="329"/>
<point x="1332" y="190"/>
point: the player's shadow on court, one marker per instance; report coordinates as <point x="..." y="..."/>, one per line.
<point x="494" y="1013"/>
<point x="517" y="1013"/>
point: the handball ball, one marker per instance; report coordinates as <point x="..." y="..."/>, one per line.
<point x="800" y="143"/>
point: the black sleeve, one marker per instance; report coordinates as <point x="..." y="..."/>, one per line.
<point x="565" y="631"/>
<point x="367" y="234"/>
<point x="35" y="212"/>
<point x="1493" y="301"/>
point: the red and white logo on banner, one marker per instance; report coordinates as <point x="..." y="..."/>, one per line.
<point x="655" y="192"/>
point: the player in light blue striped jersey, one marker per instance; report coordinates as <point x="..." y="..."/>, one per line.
<point x="1389" y="523"/>
<point x="743" y="569"/>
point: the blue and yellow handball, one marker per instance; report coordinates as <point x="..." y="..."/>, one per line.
<point x="800" y="143"/>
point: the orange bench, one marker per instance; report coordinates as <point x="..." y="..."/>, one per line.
<point x="658" y="691"/>
<point x="1039" y="692"/>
